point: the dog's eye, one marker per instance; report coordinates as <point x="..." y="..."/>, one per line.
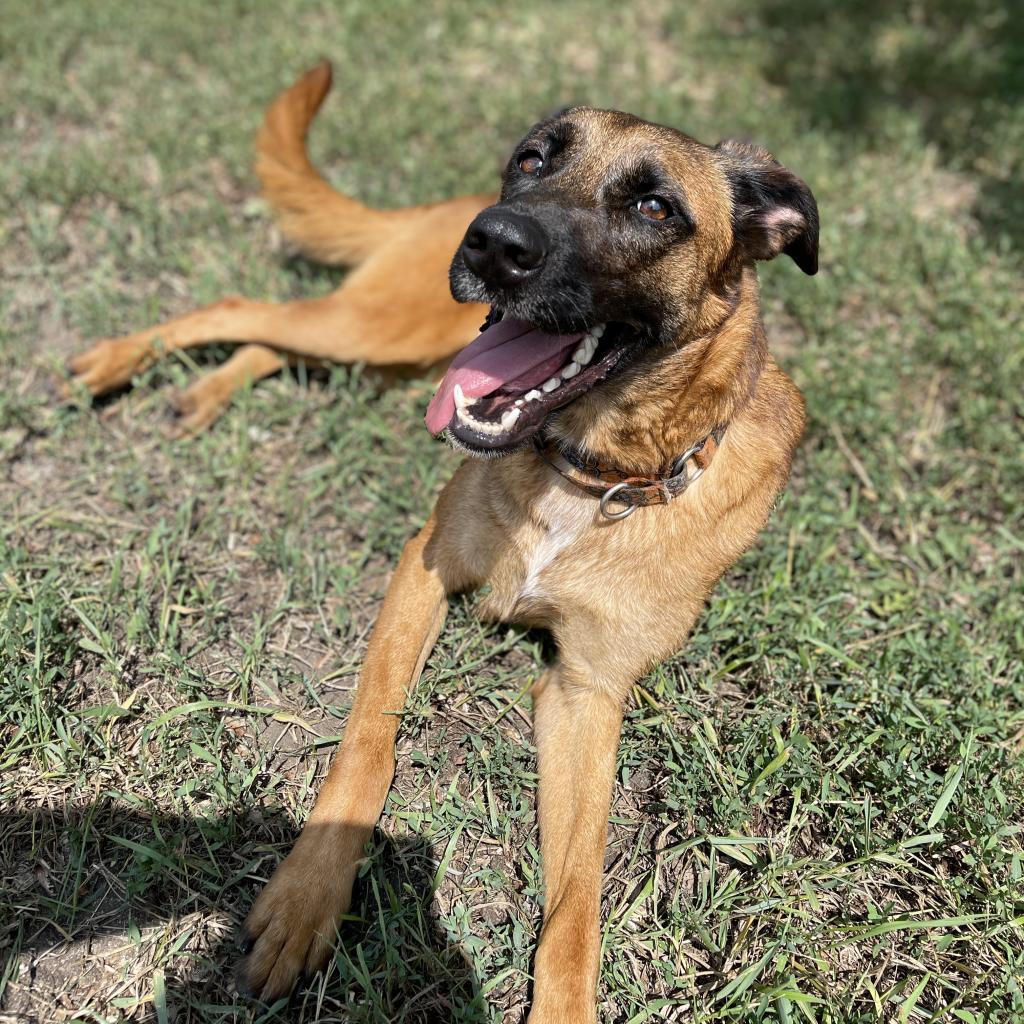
<point x="653" y="208"/>
<point x="530" y="162"/>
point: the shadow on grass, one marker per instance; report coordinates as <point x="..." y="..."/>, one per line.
<point x="957" y="65"/>
<point x="85" y="890"/>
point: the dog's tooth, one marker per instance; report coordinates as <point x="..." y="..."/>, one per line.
<point x="483" y="427"/>
<point x="584" y="353"/>
<point x="461" y="401"/>
<point x="571" y="370"/>
<point x="519" y="402"/>
<point x="597" y="330"/>
<point x="550" y="384"/>
<point x="531" y="396"/>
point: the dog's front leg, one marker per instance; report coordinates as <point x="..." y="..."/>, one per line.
<point x="577" y="722"/>
<point x="292" y="926"/>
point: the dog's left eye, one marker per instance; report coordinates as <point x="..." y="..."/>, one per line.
<point x="653" y="208"/>
<point x="530" y="162"/>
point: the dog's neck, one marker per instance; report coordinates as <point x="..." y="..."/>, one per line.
<point x="674" y="397"/>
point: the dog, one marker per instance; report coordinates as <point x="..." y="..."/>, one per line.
<point x="628" y="434"/>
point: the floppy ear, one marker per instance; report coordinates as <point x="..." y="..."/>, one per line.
<point x="773" y="210"/>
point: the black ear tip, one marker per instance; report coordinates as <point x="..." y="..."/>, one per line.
<point x="803" y="250"/>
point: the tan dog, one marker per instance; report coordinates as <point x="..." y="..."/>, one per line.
<point x="646" y="433"/>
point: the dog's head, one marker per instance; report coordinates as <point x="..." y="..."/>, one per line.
<point x="610" y="234"/>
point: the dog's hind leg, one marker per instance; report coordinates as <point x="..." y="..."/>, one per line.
<point x="112" y="362"/>
<point x="354" y="324"/>
<point x="201" y="403"/>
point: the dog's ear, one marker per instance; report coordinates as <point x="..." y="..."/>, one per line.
<point x="773" y="210"/>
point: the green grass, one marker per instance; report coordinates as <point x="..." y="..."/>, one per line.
<point x="820" y="800"/>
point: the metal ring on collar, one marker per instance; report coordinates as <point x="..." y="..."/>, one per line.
<point x="608" y="496"/>
<point x="679" y="466"/>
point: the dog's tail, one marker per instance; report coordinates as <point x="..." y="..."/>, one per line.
<point x="326" y="225"/>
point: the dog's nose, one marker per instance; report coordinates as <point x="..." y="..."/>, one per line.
<point x="504" y="248"/>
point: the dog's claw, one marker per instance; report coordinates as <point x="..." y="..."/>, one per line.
<point x="241" y="985"/>
<point x="245" y="942"/>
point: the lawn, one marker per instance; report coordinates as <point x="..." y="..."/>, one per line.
<point x="820" y="800"/>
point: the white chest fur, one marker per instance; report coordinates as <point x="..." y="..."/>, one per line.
<point x="564" y="513"/>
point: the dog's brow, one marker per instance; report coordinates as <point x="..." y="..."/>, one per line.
<point x="557" y="134"/>
<point x="639" y="176"/>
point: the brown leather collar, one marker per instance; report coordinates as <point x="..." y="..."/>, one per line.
<point x="631" y="490"/>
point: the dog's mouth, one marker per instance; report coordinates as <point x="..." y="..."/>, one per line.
<point x="502" y="387"/>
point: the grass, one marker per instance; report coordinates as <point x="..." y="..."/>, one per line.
<point x="820" y="801"/>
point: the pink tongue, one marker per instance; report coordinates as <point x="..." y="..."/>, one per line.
<point x="512" y="353"/>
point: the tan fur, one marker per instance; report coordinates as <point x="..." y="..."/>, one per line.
<point x="393" y="309"/>
<point x="618" y="597"/>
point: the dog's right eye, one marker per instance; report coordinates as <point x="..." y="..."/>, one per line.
<point x="530" y="162"/>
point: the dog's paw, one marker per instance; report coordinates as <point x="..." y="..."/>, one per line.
<point x="196" y="408"/>
<point x="290" y="931"/>
<point x="109" y="364"/>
